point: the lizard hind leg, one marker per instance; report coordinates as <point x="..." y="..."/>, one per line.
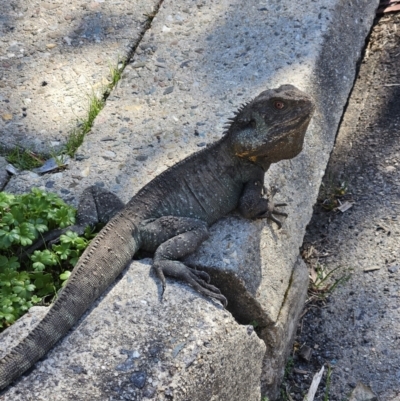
<point x="171" y="238"/>
<point x="96" y="205"/>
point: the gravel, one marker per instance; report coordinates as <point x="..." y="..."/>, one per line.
<point x="356" y="331"/>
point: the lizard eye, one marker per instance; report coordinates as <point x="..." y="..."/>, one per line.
<point x="279" y="105"/>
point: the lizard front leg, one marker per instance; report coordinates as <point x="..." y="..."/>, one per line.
<point x="171" y="238"/>
<point x="96" y="205"/>
<point x="253" y="204"/>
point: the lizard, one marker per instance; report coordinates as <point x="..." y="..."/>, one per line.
<point x="170" y="215"/>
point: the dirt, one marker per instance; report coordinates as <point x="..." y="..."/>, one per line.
<point x="355" y="330"/>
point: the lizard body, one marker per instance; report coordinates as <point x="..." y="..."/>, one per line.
<point x="170" y="216"/>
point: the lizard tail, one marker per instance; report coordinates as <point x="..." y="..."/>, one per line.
<point x="112" y="249"/>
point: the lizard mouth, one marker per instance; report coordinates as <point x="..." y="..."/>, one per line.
<point x="285" y="146"/>
<point x="288" y="145"/>
<point x="267" y="136"/>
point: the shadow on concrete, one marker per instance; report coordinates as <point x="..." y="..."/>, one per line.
<point x="63" y="64"/>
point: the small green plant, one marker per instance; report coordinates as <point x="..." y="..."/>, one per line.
<point x="254" y="323"/>
<point x="27" y="279"/>
<point x="75" y="139"/>
<point x="289" y="367"/>
<point x="150" y="16"/>
<point x="116" y="73"/>
<point x="27" y="160"/>
<point x="320" y="284"/>
<point x="332" y="191"/>
<point x="285" y="388"/>
<point x="77" y="135"/>
<point x="23" y="159"/>
<point x="328" y="383"/>
<point x="96" y="104"/>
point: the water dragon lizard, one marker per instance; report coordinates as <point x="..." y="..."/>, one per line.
<point x="170" y="216"/>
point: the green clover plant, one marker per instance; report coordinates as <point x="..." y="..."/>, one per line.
<point x="26" y="281"/>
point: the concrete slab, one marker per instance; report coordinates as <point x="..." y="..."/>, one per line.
<point x="134" y="347"/>
<point x="195" y="66"/>
<point x="53" y="56"/>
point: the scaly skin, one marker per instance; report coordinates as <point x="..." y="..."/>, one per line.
<point x="170" y="216"/>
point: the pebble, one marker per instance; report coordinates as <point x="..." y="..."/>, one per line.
<point x="149" y="392"/>
<point x="109" y="155"/>
<point x="169" y="90"/>
<point x="394" y="269"/>
<point x="138" y="64"/>
<point x="85" y="172"/>
<point x="139" y="379"/>
<point x="11" y="169"/>
<point x="7" y="116"/>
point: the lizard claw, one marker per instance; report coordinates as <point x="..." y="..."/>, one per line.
<point x="272" y="212"/>
<point x="199" y="280"/>
<point x="202" y="275"/>
<point x="160" y="275"/>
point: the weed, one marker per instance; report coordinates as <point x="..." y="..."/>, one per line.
<point x="285" y="393"/>
<point x="320" y="284"/>
<point x="96" y="104"/>
<point x="150" y="16"/>
<point x="75" y="139"/>
<point x="77" y="135"/>
<point x="289" y="367"/>
<point x="254" y="323"/>
<point x="23" y="159"/>
<point x="285" y="388"/>
<point x="332" y="192"/>
<point x="116" y="72"/>
<point x="328" y="383"/>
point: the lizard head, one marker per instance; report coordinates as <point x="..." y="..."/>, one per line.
<point x="271" y="127"/>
